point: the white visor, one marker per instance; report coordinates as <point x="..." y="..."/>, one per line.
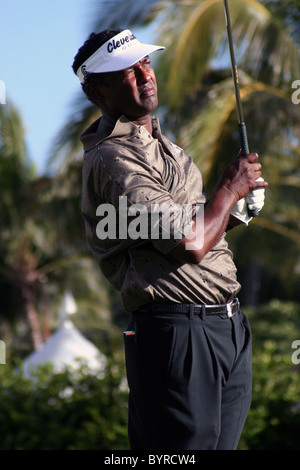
<point x="119" y="53"/>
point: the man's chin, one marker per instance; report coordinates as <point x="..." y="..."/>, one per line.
<point x="150" y="104"/>
<point x="146" y="108"/>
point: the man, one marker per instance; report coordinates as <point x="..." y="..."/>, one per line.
<point x="188" y="345"/>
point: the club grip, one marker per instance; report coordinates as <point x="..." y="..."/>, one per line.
<point x="244" y="138"/>
<point x="245" y="151"/>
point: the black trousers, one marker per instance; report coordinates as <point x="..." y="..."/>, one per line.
<point x="189" y="379"/>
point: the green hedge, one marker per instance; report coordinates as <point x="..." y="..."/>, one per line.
<point x="62" y="411"/>
<point x="82" y="412"/>
<point x="273" y="422"/>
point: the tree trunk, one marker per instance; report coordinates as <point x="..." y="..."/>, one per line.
<point x="33" y="321"/>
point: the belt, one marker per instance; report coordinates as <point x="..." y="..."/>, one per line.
<point x="228" y="309"/>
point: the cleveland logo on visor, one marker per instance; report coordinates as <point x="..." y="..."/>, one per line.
<point x="83" y="71"/>
<point x="112" y="45"/>
<point x="118" y="53"/>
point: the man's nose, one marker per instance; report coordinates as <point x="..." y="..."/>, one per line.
<point x="142" y="75"/>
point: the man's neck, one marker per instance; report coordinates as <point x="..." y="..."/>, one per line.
<point x="145" y="121"/>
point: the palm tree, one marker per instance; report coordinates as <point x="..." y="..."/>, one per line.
<point x="15" y="176"/>
<point x="270" y="61"/>
<point x="198" y="106"/>
<point x="42" y="245"/>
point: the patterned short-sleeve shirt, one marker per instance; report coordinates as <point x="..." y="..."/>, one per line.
<point x="129" y="176"/>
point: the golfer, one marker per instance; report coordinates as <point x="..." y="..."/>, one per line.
<point x="188" y="344"/>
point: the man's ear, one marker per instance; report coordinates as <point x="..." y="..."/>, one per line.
<point x="96" y="92"/>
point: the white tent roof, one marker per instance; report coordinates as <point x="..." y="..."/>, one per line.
<point x="64" y="349"/>
<point x="67" y="346"/>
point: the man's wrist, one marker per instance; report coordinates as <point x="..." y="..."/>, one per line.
<point x="225" y="196"/>
<point x="233" y="222"/>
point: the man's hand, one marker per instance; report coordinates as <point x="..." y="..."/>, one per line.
<point x="254" y="201"/>
<point x="242" y="176"/>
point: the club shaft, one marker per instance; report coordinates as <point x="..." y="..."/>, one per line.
<point x="234" y="68"/>
<point x="235" y="76"/>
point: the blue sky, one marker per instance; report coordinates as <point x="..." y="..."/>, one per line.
<point x="38" y="40"/>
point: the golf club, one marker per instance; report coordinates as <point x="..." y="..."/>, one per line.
<point x="241" y="123"/>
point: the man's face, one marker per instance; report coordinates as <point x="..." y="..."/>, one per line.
<point x="132" y="92"/>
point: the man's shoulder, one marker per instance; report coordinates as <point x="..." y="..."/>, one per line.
<point x="102" y="130"/>
<point x="114" y="159"/>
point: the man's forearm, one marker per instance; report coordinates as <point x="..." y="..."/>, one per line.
<point x="239" y="179"/>
<point x="209" y="230"/>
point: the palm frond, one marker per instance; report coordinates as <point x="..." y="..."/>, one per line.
<point x="125" y="14"/>
<point x="264" y="50"/>
<point x="67" y="147"/>
<point x="12" y="131"/>
<point x="279" y="228"/>
<point x="209" y="132"/>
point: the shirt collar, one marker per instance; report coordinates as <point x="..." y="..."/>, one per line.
<point x="102" y="130"/>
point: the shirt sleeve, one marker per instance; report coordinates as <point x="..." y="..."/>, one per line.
<point x="145" y="209"/>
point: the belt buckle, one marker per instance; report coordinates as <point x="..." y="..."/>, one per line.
<point x="229" y="310"/>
